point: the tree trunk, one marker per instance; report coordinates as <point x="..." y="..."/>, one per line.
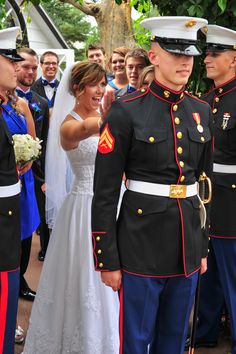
<point x="115" y="25"/>
<point x="114" y="22"/>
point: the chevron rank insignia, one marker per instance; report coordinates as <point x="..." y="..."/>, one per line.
<point x="106" y="141"/>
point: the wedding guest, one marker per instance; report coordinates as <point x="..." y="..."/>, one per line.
<point x="73" y="309"/>
<point x="47" y="84"/>
<point x="146" y="77"/>
<point x="26" y="76"/>
<point x="117" y="66"/>
<point x="135" y="61"/>
<point x="96" y="53"/>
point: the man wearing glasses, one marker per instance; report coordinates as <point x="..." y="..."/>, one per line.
<point x="47" y="84"/>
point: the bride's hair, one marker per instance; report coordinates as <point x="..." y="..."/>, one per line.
<point x="58" y="172"/>
<point x="85" y="73"/>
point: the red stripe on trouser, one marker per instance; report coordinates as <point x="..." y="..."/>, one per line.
<point x="3" y="307"/>
<point x="121" y="320"/>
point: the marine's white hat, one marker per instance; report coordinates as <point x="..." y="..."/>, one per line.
<point x="8" y="43"/>
<point x="219" y="38"/>
<point x="176" y="34"/>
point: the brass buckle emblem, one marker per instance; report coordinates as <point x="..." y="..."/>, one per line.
<point x="178" y="191"/>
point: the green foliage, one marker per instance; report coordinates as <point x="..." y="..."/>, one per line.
<point x="2" y="15"/>
<point x="220" y="12"/>
<point x="72" y="24"/>
<point x="142" y="36"/>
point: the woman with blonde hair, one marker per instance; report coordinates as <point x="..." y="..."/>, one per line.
<point x="146" y="77"/>
<point x="117" y="66"/>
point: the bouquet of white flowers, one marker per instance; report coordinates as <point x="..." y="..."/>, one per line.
<point x="26" y="148"/>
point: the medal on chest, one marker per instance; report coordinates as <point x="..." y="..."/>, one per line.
<point x="225" y="121"/>
<point x="197" y="118"/>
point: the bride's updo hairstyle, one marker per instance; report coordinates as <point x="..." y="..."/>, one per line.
<point x="85" y="73"/>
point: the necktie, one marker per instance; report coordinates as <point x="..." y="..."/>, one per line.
<point x="131" y="89"/>
<point x="46" y="83"/>
<point x="27" y="95"/>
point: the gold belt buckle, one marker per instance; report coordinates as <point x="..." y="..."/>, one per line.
<point x="178" y="191"/>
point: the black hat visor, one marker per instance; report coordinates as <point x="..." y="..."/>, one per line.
<point x="11" y="54"/>
<point x="178" y="46"/>
<point x="216" y="47"/>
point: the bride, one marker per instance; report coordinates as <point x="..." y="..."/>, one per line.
<point x="73" y="311"/>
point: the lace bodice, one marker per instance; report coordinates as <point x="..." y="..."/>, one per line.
<point x="82" y="161"/>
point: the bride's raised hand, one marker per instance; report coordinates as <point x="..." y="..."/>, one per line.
<point x="105" y="106"/>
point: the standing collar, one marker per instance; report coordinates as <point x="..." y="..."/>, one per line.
<point x="165" y="93"/>
<point x="225" y="87"/>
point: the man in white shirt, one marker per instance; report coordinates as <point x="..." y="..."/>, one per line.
<point x="47" y="84"/>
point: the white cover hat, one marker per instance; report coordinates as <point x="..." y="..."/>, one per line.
<point x="176" y="34"/>
<point x="220" y="38"/>
<point x="8" y="43"/>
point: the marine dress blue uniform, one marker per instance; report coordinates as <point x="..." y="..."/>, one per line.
<point x="219" y="283"/>
<point x="29" y="209"/>
<point x="221" y="278"/>
<point x="161" y="140"/>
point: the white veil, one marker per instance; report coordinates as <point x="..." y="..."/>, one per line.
<point x="58" y="174"/>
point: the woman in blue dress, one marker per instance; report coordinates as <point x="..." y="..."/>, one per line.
<point x="19" y="121"/>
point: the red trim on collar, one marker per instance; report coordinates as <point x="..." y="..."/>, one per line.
<point x="220" y="86"/>
<point x="196" y="98"/>
<point x="168" y="89"/>
<point x="224" y="93"/>
<point x="163" y="99"/>
<point x="135" y="97"/>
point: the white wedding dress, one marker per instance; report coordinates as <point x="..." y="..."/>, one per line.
<point x="74" y="312"/>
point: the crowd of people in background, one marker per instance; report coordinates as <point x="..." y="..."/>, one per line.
<point x="108" y="120"/>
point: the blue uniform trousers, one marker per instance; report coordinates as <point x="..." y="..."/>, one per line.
<point x="155" y="312"/>
<point x="225" y="252"/>
<point x="211" y="301"/>
<point x="9" y="291"/>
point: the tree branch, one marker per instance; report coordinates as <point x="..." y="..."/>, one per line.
<point x="88" y="8"/>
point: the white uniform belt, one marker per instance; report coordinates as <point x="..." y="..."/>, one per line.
<point x="163" y="190"/>
<point x="10" y="191"/>
<point x="224" y="168"/>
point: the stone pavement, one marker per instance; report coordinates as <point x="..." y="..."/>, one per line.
<point x="32" y="277"/>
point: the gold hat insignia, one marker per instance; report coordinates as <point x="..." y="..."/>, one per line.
<point x="205" y="29"/>
<point x="190" y="24"/>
